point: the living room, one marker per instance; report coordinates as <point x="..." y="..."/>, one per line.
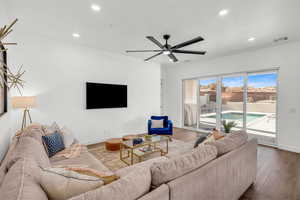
<point x="64" y="45"/>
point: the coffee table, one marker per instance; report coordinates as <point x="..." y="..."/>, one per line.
<point x="149" y="146"/>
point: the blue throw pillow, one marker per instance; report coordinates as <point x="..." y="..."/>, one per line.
<point x="54" y="143"/>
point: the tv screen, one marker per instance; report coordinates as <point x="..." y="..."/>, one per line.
<point x="99" y="95"/>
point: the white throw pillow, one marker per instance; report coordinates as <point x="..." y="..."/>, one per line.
<point x="68" y="136"/>
<point x="157" y="123"/>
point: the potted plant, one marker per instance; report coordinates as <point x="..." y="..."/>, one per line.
<point x="228" y="125"/>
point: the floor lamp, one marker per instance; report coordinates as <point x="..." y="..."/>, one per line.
<point x="24" y="103"/>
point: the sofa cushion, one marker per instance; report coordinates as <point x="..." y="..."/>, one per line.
<point x="4" y="165"/>
<point x="54" y="143"/>
<point x="84" y="160"/>
<point x="35" y="131"/>
<point x="129" y="187"/>
<point x="61" y="184"/>
<point x="21" y="182"/>
<point x="230" y="142"/>
<point x="27" y="147"/>
<point x="168" y="170"/>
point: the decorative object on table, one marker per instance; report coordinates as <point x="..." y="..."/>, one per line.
<point x="148" y="137"/>
<point x="129" y="137"/>
<point x="113" y="144"/>
<point x="9" y="79"/>
<point x="137" y="141"/>
<point x="228" y="125"/>
<point x="167" y="126"/>
<point x="25" y="103"/>
<point x="54" y="143"/>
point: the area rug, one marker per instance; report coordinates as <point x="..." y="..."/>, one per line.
<point x="111" y="159"/>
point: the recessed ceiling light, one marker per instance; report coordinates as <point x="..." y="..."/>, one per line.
<point x="76" y="35"/>
<point x="251" y="39"/>
<point x="223" y="12"/>
<point x="95" y="7"/>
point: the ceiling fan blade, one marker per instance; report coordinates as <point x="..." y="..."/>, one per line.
<point x="134" y="51"/>
<point x="172" y="57"/>
<point x="195" y="40"/>
<point x="153" y="56"/>
<point x="152" y="39"/>
<point x="190" y="52"/>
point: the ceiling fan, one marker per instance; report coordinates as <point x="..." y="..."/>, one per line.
<point x="170" y="50"/>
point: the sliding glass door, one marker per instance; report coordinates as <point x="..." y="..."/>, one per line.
<point x="249" y="99"/>
<point x="232" y="99"/>
<point x="261" y="102"/>
<point x="207" y="101"/>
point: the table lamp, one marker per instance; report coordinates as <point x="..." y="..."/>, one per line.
<point x="24" y="102"/>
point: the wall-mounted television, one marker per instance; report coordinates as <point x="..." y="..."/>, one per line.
<point x="100" y="95"/>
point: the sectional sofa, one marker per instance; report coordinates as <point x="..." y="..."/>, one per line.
<point x="218" y="171"/>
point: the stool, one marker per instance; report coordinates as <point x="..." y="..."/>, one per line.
<point x="113" y="144"/>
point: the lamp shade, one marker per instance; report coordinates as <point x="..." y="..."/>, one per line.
<point x="24" y="102"/>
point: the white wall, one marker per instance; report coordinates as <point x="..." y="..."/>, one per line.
<point x="286" y="57"/>
<point x="57" y="71"/>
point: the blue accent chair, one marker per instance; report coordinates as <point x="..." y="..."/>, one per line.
<point x="166" y="130"/>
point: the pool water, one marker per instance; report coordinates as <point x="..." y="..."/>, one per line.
<point x="238" y="116"/>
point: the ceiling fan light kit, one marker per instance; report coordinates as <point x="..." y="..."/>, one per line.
<point x="169" y="50"/>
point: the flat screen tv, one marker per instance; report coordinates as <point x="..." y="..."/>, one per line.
<point x="100" y="95"/>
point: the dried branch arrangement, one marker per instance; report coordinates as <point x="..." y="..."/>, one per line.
<point x="10" y="79"/>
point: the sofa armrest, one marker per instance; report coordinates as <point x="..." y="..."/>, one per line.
<point x="170" y="124"/>
<point x="149" y="125"/>
<point x="160" y="193"/>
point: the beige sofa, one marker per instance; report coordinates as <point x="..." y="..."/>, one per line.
<point x="201" y="175"/>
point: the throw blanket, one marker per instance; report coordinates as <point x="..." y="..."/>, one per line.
<point x="71" y="152"/>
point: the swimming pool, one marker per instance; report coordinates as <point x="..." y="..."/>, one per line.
<point x="237" y="116"/>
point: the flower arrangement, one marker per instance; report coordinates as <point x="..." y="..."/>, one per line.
<point x="8" y="78"/>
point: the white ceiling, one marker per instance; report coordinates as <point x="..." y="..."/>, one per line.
<point x="123" y="24"/>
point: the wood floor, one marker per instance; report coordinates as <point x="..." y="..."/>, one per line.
<point x="278" y="172"/>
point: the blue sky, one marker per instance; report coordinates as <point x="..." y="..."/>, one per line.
<point x="256" y="81"/>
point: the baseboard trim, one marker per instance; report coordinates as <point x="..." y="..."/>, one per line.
<point x="289" y="148"/>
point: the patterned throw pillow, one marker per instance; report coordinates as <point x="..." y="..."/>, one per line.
<point x="54" y="143"/>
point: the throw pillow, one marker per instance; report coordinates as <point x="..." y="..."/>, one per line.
<point x="217" y="134"/>
<point x="61" y="184"/>
<point x="51" y="129"/>
<point x="157" y="123"/>
<point x="54" y="143"/>
<point x="68" y="136"/>
<point x="199" y="141"/>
